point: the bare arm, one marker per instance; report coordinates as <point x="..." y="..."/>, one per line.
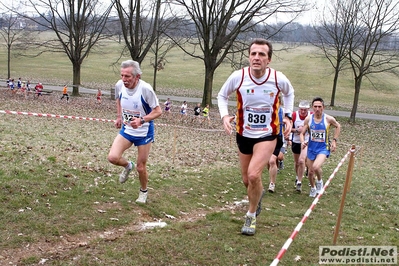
<point x="287" y="127"/>
<point x="332" y="121"/>
<point x="118" y="122"/>
<point x="303" y="132"/>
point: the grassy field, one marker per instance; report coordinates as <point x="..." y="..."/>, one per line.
<point x="62" y="203"/>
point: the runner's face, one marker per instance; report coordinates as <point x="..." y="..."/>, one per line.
<point x="129" y="80"/>
<point x="259" y="59"/>
<point x="318" y="107"/>
<point x="303" y="111"/>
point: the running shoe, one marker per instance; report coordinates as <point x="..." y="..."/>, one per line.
<point x="296" y="182"/>
<point x="319" y="186"/>
<point x="124" y="176"/>
<point x="299" y="187"/>
<point x="259" y="207"/>
<point x="249" y="226"/>
<point x="142" y="197"/>
<point x="312" y="193"/>
<point x="272" y="187"/>
<point x="280" y="164"/>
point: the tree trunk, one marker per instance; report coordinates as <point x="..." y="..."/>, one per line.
<point x="358" y="82"/>
<point x="334" y="88"/>
<point x="9" y="62"/>
<point x="76" y="79"/>
<point x="155" y="66"/>
<point x="207" y="96"/>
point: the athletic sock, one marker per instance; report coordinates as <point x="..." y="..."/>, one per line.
<point x="251" y="214"/>
<point x="144" y="190"/>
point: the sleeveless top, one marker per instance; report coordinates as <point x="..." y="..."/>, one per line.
<point x="318" y="134"/>
<point x="137" y="102"/>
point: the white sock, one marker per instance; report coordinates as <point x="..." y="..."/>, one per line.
<point x="251" y="214"/>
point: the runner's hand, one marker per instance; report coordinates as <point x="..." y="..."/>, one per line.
<point x="227" y="124"/>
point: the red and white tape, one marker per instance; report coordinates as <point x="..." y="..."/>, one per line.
<point x="56" y="116"/>
<point x="307" y="213"/>
<point x="92" y="119"/>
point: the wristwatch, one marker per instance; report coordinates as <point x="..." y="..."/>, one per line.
<point x="288" y="115"/>
<point x="142" y="121"/>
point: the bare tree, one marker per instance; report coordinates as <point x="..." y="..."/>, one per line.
<point x="331" y="36"/>
<point x="160" y="50"/>
<point x="214" y="27"/>
<point x="374" y="23"/>
<point x="139" y="23"/>
<point x="143" y="24"/>
<point x="15" y="33"/>
<point x="77" y="25"/>
<point x="167" y="22"/>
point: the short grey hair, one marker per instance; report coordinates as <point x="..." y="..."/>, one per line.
<point x="304" y="104"/>
<point x="136" y="70"/>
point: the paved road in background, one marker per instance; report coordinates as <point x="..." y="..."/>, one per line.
<point x="233" y="103"/>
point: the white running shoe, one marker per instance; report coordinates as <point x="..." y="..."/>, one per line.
<point x="124" y="176"/>
<point x="272" y="187"/>
<point x="319" y="186"/>
<point x="142" y="197"/>
<point x="312" y="193"/>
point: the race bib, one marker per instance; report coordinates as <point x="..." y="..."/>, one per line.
<point x="128" y="115"/>
<point x="258" y="118"/>
<point x="318" y="135"/>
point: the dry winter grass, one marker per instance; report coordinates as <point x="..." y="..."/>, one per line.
<point x="62" y="204"/>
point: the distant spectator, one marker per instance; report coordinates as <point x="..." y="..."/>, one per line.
<point x="183" y="109"/>
<point x="197" y="110"/>
<point x="23" y="90"/>
<point x="205" y="114"/>
<point x="167" y="106"/>
<point x="38" y="89"/>
<point x="99" y="94"/>
<point x="19" y="83"/>
<point x="65" y="93"/>
<point x="11" y="85"/>
<point x="28" y="88"/>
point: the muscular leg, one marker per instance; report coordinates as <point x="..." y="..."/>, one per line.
<point x="273" y="168"/>
<point x="311" y="172"/>
<point x="301" y="163"/>
<point x="317" y="163"/>
<point x="252" y="168"/>
<point x="119" y="146"/>
<point x="142" y="158"/>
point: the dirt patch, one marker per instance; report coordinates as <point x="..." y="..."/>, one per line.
<point x="49" y="250"/>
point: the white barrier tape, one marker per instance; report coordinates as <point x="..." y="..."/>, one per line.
<point x="307" y="213"/>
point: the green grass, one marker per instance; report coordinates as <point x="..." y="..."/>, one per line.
<point x="61" y="199"/>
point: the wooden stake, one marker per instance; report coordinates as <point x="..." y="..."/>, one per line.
<point x="345" y="190"/>
<point x="174" y="145"/>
